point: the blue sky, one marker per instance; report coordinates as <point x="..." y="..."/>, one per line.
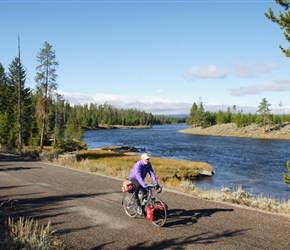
<point x="155" y="56"/>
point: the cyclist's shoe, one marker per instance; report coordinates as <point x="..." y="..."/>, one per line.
<point x="143" y="212"/>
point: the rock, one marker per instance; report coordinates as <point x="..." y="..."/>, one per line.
<point x="207" y="173"/>
<point x="125" y="149"/>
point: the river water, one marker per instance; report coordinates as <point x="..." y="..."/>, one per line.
<point x="257" y="165"/>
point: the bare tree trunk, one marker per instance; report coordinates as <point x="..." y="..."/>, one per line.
<point x="19" y="98"/>
<point x="41" y="134"/>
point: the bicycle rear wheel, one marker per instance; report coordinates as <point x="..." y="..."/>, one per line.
<point x="160" y="213"/>
<point x="129" y="206"/>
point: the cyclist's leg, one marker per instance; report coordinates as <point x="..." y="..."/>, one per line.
<point x="137" y="189"/>
<point x="137" y="186"/>
<point x="144" y="191"/>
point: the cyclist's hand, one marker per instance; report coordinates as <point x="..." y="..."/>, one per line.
<point x="156" y="186"/>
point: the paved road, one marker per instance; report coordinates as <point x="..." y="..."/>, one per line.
<point x="85" y="209"/>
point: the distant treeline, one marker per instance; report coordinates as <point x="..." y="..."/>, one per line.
<point x="199" y="117"/>
<point x="94" y="115"/>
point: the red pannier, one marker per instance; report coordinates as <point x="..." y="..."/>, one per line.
<point x="159" y="210"/>
<point x="150" y="213"/>
<point x="127" y="186"/>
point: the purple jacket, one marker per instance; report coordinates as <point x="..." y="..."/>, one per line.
<point x="140" y="171"/>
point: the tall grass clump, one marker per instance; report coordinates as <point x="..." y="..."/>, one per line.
<point x="27" y="234"/>
<point x="241" y="197"/>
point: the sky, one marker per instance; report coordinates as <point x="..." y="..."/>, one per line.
<point x="154" y="56"/>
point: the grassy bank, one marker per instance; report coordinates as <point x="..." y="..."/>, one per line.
<point x="169" y="171"/>
<point x="279" y="131"/>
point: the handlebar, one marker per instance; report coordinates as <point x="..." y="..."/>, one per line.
<point x="150" y="187"/>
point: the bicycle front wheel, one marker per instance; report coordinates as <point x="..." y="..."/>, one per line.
<point x="129" y="205"/>
<point x="160" y="213"/>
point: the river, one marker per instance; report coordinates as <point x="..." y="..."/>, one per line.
<point x="257" y="165"/>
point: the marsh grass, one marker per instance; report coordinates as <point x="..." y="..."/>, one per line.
<point x="121" y="164"/>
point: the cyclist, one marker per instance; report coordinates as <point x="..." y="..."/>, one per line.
<point x="138" y="174"/>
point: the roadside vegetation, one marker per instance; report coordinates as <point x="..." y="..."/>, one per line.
<point x="172" y="174"/>
<point x="26" y="234"/>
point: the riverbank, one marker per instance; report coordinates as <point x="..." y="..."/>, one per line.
<point x="280" y="131"/>
<point x="106" y="126"/>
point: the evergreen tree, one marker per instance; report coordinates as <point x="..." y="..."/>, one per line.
<point x="3" y="89"/>
<point x="4" y="98"/>
<point x="286" y="176"/>
<point x="283" y="21"/>
<point x="46" y="83"/>
<point x="193" y="112"/>
<point x="200" y="115"/>
<point x="16" y="83"/>
<point x="264" y="111"/>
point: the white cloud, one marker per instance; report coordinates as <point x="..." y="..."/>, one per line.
<point x="251" y="71"/>
<point x="239" y="70"/>
<point x="150" y="104"/>
<point x="274" y="86"/>
<point x="211" y="71"/>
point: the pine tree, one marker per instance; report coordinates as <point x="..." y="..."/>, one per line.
<point x="286" y="177"/>
<point x="283" y="21"/>
<point x="3" y="89"/>
<point x="190" y="121"/>
<point x="46" y="83"/>
<point x="264" y="111"/>
<point x="16" y="85"/>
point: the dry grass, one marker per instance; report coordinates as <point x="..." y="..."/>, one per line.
<point x="120" y="165"/>
<point x="280" y="132"/>
<point x="27" y="234"/>
<point x="241" y="197"/>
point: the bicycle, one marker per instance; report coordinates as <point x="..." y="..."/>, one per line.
<point x="148" y="202"/>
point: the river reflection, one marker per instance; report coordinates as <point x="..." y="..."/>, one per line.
<point x="255" y="164"/>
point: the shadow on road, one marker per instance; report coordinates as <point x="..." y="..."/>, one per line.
<point x="14" y="158"/>
<point x="181" y="217"/>
<point x="48" y="206"/>
<point x="182" y="242"/>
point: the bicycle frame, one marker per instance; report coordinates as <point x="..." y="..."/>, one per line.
<point x="132" y="209"/>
